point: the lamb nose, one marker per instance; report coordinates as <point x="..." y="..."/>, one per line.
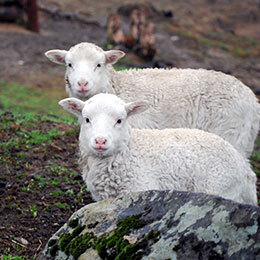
<point x="100" y="140"/>
<point x="82" y="83"/>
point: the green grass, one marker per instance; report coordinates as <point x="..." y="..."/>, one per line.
<point x="122" y="68"/>
<point x="29" y="138"/>
<point x="11" y="257"/>
<point x="21" y="99"/>
<point x="61" y="205"/>
<point x="33" y="210"/>
<point x="238" y="46"/>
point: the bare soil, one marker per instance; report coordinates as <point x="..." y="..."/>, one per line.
<point x="195" y="36"/>
<point x="35" y="177"/>
<point x="40" y="183"/>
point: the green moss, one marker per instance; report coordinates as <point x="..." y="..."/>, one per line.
<point x="130" y="252"/>
<point x="120" y="246"/>
<point x="101" y="245"/>
<point x="54" y="249"/>
<point x="130" y="223"/>
<point x="52" y="242"/>
<point x="73" y="223"/>
<point x="77" y="231"/>
<point x="80" y="244"/>
<point x="73" y="244"/>
<point x="110" y="246"/>
<point x="65" y="239"/>
<point x="153" y="235"/>
<point x="135" y="251"/>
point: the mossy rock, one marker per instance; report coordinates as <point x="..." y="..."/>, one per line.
<point x="159" y="225"/>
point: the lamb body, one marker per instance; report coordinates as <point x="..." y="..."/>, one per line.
<point x="117" y="159"/>
<point x="179" y="98"/>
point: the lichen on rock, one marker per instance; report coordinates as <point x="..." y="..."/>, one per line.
<point x="159" y="225"/>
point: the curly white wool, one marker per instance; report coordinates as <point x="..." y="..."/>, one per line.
<point x="137" y="160"/>
<point x="179" y="98"/>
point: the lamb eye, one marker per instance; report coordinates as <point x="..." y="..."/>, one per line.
<point x="99" y="65"/>
<point x="119" y="121"/>
<point x="87" y="120"/>
<point x="70" y="65"/>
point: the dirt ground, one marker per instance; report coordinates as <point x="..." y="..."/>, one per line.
<point x="40" y="185"/>
<point x="181" y="40"/>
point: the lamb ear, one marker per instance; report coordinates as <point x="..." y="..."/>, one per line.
<point x="73" y="105"/>
<point x="136" y="107"/>
<point x="113" y="56"/>
<point x="56" y="56"/>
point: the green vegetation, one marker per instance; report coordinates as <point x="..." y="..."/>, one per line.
<point x="30" y="137"/>
<point x="66" y="240"/>
<point x="54" y="249"/>
<point x="109" y="245"/>
<point x="238" y="46"/>
<point x="61" y="205"/>
<point x="115" y="242"/>
<point x="31" y="154"/>
<point x="122" y="68"/>
<point x="34" y="211"/>
<point x="25" y="137"/>
<point x="57" y="193"/>
<point x="73" y="223"/>
<point x="23" y="99"/>
<point x="52" y="242"/>
<point x="10" y="257"/>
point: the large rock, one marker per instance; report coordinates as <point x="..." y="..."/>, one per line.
<point x="159" y="225"/>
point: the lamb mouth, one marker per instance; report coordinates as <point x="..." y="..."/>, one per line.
<point x="100" y="150"/>
<point x="83" y="92"/>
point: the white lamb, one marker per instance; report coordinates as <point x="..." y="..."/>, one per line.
<point x="117" y="159"/>
<point x="179" y="98"/>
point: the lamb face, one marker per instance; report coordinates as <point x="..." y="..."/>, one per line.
<point x="104" y="126"/>
<point x="86" y="68"/>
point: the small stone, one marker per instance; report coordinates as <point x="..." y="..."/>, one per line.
<point x="175" y="38"/>
<point x="21" y="62"/>
<point x="23" y="241"/>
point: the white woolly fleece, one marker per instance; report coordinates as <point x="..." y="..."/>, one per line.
<point x="139" y="160"/>
<point x="180" y="98"/>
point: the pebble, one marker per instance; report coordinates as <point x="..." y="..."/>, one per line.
<point x="23" y="241"/>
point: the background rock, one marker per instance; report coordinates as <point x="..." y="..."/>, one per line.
<point x="159" y="225"/>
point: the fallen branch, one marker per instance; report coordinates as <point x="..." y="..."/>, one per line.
<point x="37" y="250"/>
<point x="20" y="244"/>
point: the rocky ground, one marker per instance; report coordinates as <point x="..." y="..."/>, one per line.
<point x="40" y="184"/>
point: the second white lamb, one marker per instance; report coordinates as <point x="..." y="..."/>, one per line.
<point x="117" y="159"/>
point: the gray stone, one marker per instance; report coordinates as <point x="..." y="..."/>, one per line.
<point x="160" y="225"/>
